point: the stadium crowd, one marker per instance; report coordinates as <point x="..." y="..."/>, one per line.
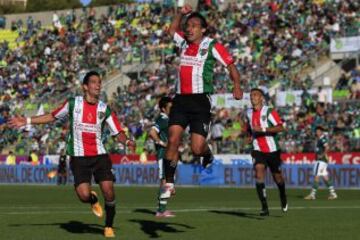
<point x="271" y="42"/>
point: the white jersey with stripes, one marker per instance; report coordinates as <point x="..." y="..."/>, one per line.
<point x="87" y="122"/>
<point x="264" y="118"/>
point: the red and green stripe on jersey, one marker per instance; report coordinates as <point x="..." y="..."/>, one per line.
<point x="87" y="122"/>
<point x="264" y="118"/>
<point x="197" y="64"/>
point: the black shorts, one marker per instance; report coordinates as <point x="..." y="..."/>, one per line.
<point x="271" y="160"/>
<point x="193" y="110"/>
<point x="83" y="168"/>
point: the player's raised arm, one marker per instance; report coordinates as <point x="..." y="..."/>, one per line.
<point x="18" y="122"/>
<point x="175" y="25"/>
<point x="235" y="77"/>
<point x="60" y="112"/>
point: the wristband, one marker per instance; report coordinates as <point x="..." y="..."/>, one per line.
<point x="160" y="143"/>
<point x="28" y="121"/>
<point x="263" y="129"/>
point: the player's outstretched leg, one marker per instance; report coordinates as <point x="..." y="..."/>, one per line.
<point x="278" y="178"/>
<point x="95" y="205"/>
<point x="168" y="188"/>
<point x="107" y="187"/>
<point x="261" y="192"/>
<point x="207" y="157"/>
<point x="283" y="198"/>
<point x="110" y="214"/>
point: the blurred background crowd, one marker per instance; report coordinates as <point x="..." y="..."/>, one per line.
<point x="271" y="41"/>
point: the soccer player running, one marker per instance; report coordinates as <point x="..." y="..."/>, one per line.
<point x="159" y="133"/>
<point x="192" y="103"/>
<point x="263" y="124"/>
<point x="88" y="157"/>
<point x="320" y="167"/>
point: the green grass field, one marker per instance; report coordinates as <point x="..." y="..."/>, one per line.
<point x="52" y="212"/>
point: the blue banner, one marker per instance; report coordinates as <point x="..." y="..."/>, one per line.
<point x="296" y="176"/>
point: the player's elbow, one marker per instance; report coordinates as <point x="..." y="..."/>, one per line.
<point x="281" y="128"/>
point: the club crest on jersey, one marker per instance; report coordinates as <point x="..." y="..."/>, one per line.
<point x="263" y="118"/>
<point x="101" y="115"/>
<point x="203" y="52"/>
<point x="90" y="117"/>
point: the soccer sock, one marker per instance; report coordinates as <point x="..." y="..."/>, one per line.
<point x="170" y="167"/>
<point x="93" y="199"/>
<point x="281" y="187"/>
<point x="261" y="191"/>
<point x="207" y="153"/>
<point x="330" y="186"/>
<point x="207" y="158"/>
<point x="315" y="186"/>
<point x="162" y="204"/>
<point x="110" y="213"/>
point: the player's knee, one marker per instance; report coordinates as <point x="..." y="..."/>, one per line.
<point x="173" y="143"/>
<point x="197" y="149"/>
<point x="278" y="178"/>
<point x="259" y="178"/>
<point x="84" y="197"/>
<point x="109" y="195"/>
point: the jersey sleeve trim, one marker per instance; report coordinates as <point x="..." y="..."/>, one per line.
<point x="222" y="55"/>
<point x="179" y="38"/>
<point x="275" y="118"/>
<point x="113" y="122"/>
<point x="61" y="111"/>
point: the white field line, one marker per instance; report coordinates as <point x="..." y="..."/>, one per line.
<point x="175" y="210"/>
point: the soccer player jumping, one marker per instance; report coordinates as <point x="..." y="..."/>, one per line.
<point x="192" y="103"/>
<point x="88" y="157"/>
<point x="263" y="124"/>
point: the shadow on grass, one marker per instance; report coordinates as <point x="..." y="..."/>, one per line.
<point x="151" y="228"/>
<point x="245" y="215"/>
<point x="75" y="227"/>
<point x="144" y="210"/>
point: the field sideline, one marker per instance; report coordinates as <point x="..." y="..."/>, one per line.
<point x="52" y="212"/>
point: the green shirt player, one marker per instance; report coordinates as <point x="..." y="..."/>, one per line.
<point x="320" y="167"/>
<point x="159" y="133"/>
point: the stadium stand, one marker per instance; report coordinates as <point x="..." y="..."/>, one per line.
<point x="271" y="41"/>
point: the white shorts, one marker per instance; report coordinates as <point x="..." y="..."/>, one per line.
<point x="161" y="168"/>
<point x="320" y="169"/>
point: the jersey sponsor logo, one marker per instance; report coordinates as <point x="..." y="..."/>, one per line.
<point x="191" y="61"/>
<point x="86" y="127"/>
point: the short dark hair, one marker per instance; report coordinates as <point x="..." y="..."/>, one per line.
<point x="164" y="102"/>
<point x="199" y="16"/>
<point x="88" y="75"/>
<point x="259" y="90"/>
<point x="321" y="128"/>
